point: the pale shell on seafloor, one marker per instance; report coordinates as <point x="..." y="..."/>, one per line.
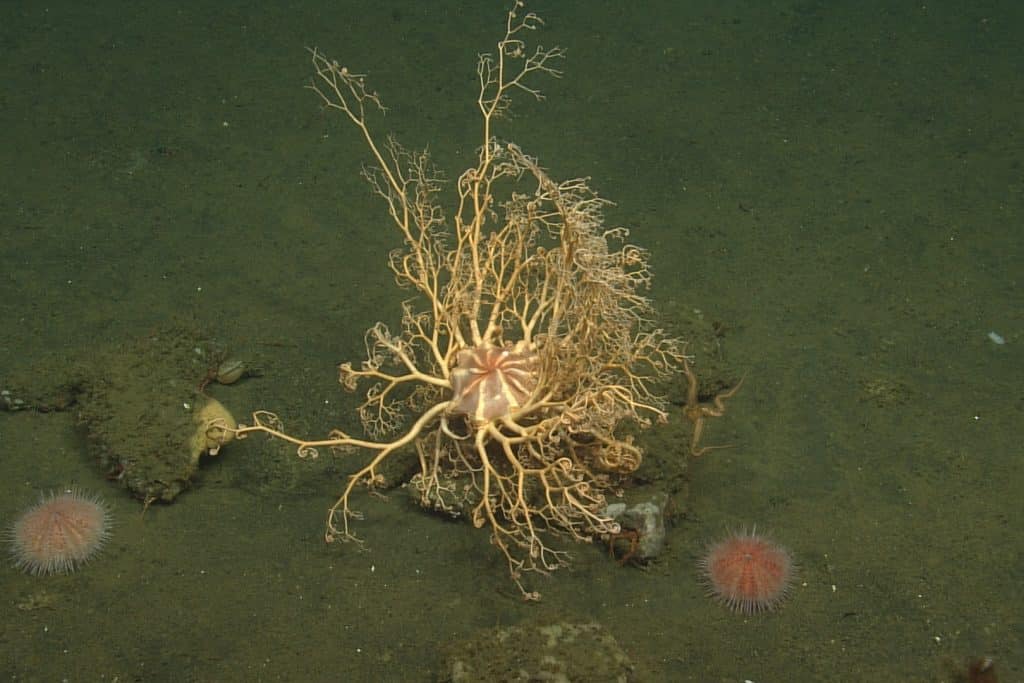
<point x="230" y="371"/>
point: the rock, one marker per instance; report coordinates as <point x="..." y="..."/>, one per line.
<point x="137" y="402"/>
<point x="647" y="518"/>
<point x="561" y="651"/>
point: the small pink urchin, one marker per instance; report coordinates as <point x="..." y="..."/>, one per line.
<point x="59" y="533"/>
<point x="748" y="572"/>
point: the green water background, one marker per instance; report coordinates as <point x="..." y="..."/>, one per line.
<point x="839" y="183"/>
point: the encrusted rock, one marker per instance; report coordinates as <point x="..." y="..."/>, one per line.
<point x="137" y="403"/>
<point x="561" y="651"/>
